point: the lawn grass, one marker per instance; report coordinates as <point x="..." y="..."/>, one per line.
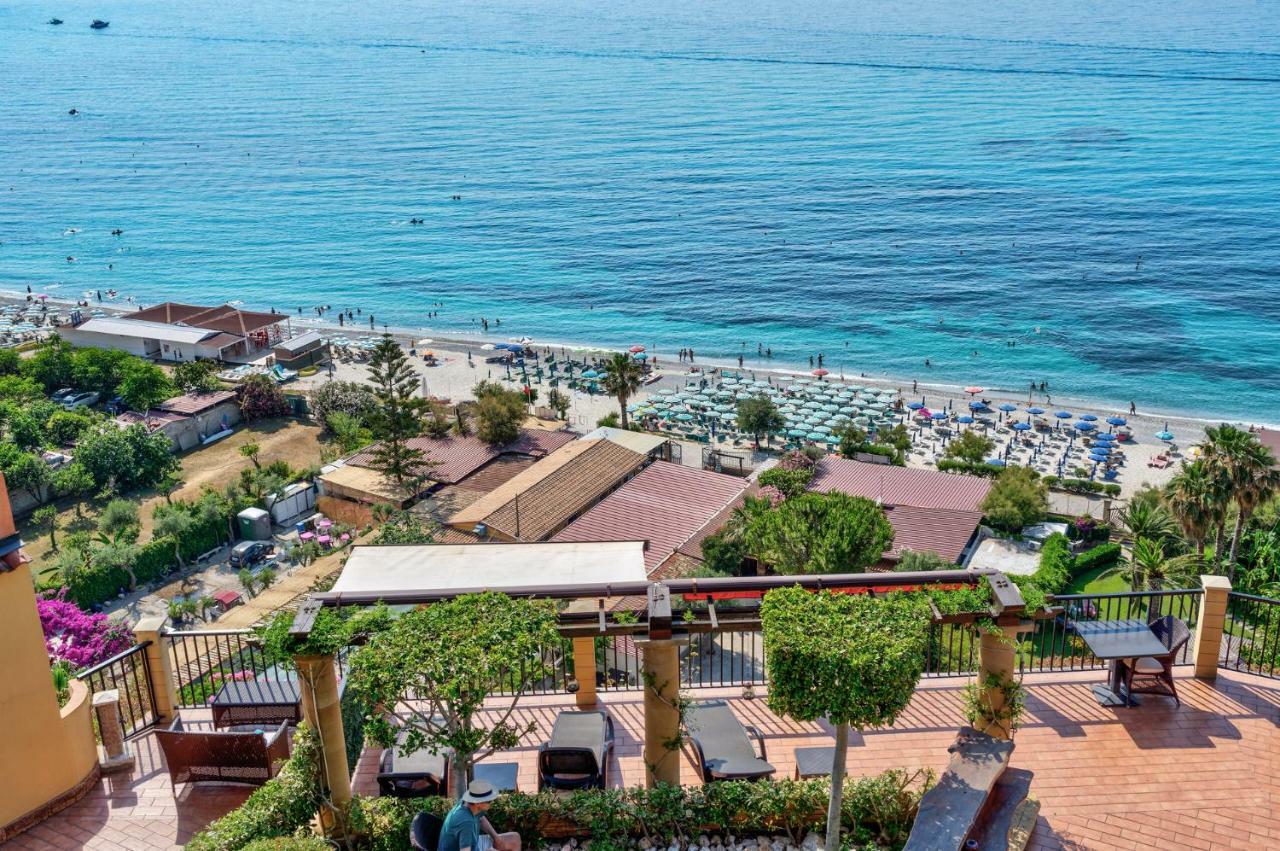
<point x="1105" y="579"/>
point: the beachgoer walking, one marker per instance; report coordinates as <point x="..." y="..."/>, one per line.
<point x="691" y="356"/>
<point x="1133" y="409"/>
<point x="819" y="358"/>
<point x="739" y="361"/>
<point x="768" y="353"/>
<point x="915" y="385"/>
<point x="810" y="360"/>
<point x="371" y="320"/>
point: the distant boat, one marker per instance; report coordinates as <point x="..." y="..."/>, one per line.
<point x="99" y="25"/>
<point x="55" y="22"/>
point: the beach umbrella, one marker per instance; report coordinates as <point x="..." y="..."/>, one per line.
<point x="939" y="415"/>
<point x="1063" y="415"/>
<point x="715" y="415"/>
<point x="640" y="356"/>
<point x="684" y="418"/>
<point x="1021" y="426"/>
<point x="796" y="432"/>
<point x="488" y="347"/>
<point x="822" y="429"/>
<point x="820" y="372"/>
<point x="1100" y="450"/>
<point x="974" y="390"/>
<point x="915" y="406"/>
<point x="977" y="406"/>
<point x="966" y="419"/>
<point x="1036" y="411"/>
<point x="636" y="349"/>
<point x="634" y="407"/>
<point x="1083" y="426"/>
<point x="1165" y="435"/>
<point x="1089" y="418"/>
<point x="1106" y="435"/>
<point x="1007" y="408"/>
<point x="1117" y="421"/>
<point x="816" y="435"/>
<point x="830" y="409"/>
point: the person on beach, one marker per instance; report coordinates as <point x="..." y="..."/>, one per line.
<point x="1133" y="410"/>
<point x="371" y="320"/>
<point x="466" y="828"/>
<point x="810" y="360"/>
<point x="768" y="353"/>
<point x="739" y="361"/>
<point x="915" y="385"/>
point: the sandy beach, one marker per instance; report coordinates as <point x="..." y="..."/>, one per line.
<point x="455" y="374"/>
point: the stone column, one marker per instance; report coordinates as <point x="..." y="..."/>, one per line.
<point x="996" y="657"/>
<point x="163" y="685"/>
<point x="106" y="706"/>
<point x="661" y="683"/>
<point x="322" y="708"/>
<point x="1213" y="616"/>
<point x="584" y="671"/>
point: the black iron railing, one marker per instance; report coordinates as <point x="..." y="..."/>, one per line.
<point x="714" y="659"/>
<point x="1251" y="635"/>
<point x="129" y="673"/>
<point x="203" y="660"/>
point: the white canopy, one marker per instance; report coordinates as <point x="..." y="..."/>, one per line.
<point x="461" y="568"/>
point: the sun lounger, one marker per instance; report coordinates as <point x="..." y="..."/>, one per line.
<point x="720" y="740"/>
<point x="577" y="756"/>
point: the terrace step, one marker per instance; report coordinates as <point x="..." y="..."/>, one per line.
<point x="949" y="811"/>
<point x="1006" y="822"/>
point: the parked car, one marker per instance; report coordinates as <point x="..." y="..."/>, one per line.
<point x="62" y="395"/>
<point x="116" y="405"/>
<point x="79" y="399"/>
<point x="249" y="553"/>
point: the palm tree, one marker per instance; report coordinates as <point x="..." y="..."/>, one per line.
<point x="1147" y="519"/>
<point x="622" y="377"/>
<point x="1153" y="570"/>
<point x="1192" y="498"/>
<point x="1222" y="451"/>
<point x="1257" y="480"/>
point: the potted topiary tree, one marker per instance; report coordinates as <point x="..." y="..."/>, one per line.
<point x="851" y="659"/>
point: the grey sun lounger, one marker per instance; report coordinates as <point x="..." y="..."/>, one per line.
<point x="577" y="756"/>
<point x="720" y="739"/>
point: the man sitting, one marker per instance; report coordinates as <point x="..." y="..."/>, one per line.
<point x="467" y="829"/>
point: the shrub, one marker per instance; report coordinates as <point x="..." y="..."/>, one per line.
<point x="281" y="807"/>
<point x="344" y="397"/>
<point x="1099" y="556"/>
<point x="1056" y="563"/>
<point x="954" y="465"/>
<point x="290" y="843"/>
<point x="74" y="635"/>
<point x="1016" y="499"/>
<point x="93" y="584"/>
<point x="789" y="481"/>
<point x="261" y="398"/>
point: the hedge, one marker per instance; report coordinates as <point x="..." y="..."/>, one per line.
<point x="1083" y="486"/>
<point x="280" y="808"/>
<point x="955" y="465"/>
<point x="1099" y="556"/>
<point x="95" y="585"/>
<point x="877" y="810"/>
<point x="1058" y="567"/>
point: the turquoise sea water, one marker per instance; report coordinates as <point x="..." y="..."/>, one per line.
<point x="881" y="182"/>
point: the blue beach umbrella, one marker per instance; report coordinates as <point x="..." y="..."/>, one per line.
<point x="977" y="406"/>
<point x="816" y="435"/>
<point x="1036" y="411"/>
<point x="996" y="462"/>
<point x="1089" y="418"/>
<point x="1063" y="415"/>
<point x="1007" y="408"/>
<point x="684" y="418"/>
<point x="1165" y="435"/>
<point x="796" y="432"/>
<point x="966" y="419"/>
<point x="1021" y="426"/>
<point x="915" y="406"/>
<point x="1105" y="437"/>
<point x="1100" y="450"/>
<point x="1117" y="421"/>
<point x="640" y="356"/>
<point x="1083" y="426"/>
<point x="939" y="415"/>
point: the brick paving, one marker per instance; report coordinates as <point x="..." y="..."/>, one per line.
<point x="1203" y="776"/>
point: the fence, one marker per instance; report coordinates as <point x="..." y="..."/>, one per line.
<point x="129" y="673"/>
<point x="203" y="660"/>
<point x="1251" y="635"/>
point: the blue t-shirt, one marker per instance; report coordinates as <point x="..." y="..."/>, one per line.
<point x="461" y="829"/>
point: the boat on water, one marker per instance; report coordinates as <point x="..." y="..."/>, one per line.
<point x="99" y="25"/>
<point x="55" y="22"/>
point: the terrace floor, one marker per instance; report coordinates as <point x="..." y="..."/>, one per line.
<point x="1203" y="776"/>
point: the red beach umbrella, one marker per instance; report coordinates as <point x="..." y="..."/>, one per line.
<point x="973" y="391"/>
<point x="820" y="372"/>
<point x="636" y="349"/>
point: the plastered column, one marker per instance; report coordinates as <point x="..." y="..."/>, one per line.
<point x="661" y="682"/>
<point x="322" y="709"/>
<point x="163" y="685"/>
<point x="996" y="658"/>
<point x="584" y="671"/>
<point x="1213" y="617"/>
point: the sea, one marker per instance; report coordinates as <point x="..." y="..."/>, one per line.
<point x="1084" y="194"/>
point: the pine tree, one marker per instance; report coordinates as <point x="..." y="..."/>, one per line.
<point x="399" y="415"/>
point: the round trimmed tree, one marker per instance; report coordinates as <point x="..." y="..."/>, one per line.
<point x="851" y="659"/>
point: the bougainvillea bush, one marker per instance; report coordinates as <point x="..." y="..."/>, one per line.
<point x="81" y="638"/>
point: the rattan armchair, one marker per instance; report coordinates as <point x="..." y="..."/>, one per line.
<point x="1154" y="674"/>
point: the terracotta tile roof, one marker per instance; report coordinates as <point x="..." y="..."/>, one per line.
<point x="224" y="317"/>
<point x="938" y="530"/>
<point x="1270" y="439"/>
<point x="495" y="474"/>
<point x="693" y="546"/>
<point x="194" y="403"/>
<point x="543" y="499"/>
<point x="900" y="485"/>
<point x="666" y="505"/>
<point x="458" y="457"/>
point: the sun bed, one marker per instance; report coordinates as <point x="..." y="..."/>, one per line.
<point x="720" y="739"/>
<point x="577" y="756"/>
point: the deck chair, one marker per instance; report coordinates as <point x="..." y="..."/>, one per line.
<point x="424" y="832"/>
<point x="723" y="749"/>
<point x="577" y="756"/>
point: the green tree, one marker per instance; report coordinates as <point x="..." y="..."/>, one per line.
<point x="453" y="656"/>
<point x="261" y="398"/>
<point x="820" y="533"/>
<point x="10" y="362"/>
<point x="118" y="553"/>
<point x="144" y="385"/>
<point x="119" y="516"/>
<point x="24" y="471"/>
<point x="911" y="561"/>
<point x="1152" y="569"/>
<point x="971" y="447"/>
<point x="1193" y="500"/>
<point x="559" y="402"/>
<point x="348" y="431"/>
<point x="174" y="521"/>
<point x="65" y="427"/>
<point x="74" y="481"/>
<point x="1255" y="479"/>
<point x="196" y="376"/>
<point x="404" y="527"/>
<point x="46" y="517"/>
<point x="252" y="451"/>
<point x="1017" y="498"/>
<point x="51" y="365"/>
<point x="622" y="378"/>
<point x="20" y="390"/>
<point x="852" y="659"/>
<point x="758" y="415"/>
<point x="100" y="370"/>
<point x="398" y="418"/>
<point x="120" y="459"/>
<point x="168" y="485"/>
<point x="499" y="413"/>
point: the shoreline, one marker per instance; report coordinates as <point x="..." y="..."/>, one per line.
<point x="459" y="344"/>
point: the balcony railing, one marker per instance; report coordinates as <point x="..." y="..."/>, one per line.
<point x="129" y="673"/>
<point x="204" y="659"/>
<point x="1251" y="635"/>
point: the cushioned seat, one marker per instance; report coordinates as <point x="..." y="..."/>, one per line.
<point x="1148" y="665"/>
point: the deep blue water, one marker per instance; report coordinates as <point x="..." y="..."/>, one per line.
<point x="882" y="182"/>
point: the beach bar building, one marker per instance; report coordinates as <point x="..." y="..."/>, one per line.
<point x="176" y="332"/>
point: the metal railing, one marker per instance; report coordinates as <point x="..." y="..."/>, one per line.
<point x="714" y="659"/>
<point x="204" y="659"/>
<point x="1251" y="635"/>
<point x="129" y="673"/>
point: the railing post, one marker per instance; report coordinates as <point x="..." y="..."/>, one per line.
<point x="115" y="754"/>
<point x="163" y="686"/>
<point x="1213" y="618"/>
<point x="660" y="677"/>
<point x="584" y="670"/>
<point x="322" y="708"/>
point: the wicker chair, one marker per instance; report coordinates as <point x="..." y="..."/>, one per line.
<point x="424" y="832"/>
<point x="1154" y="674"/>
<point x="243" y="755"/>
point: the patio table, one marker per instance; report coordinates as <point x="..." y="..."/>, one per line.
<point x="256" y="702"/>
<point x="1113" y="641"/>
<point x="814" y="762"/>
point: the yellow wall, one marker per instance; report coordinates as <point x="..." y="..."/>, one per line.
<point x="44" y="751"/>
